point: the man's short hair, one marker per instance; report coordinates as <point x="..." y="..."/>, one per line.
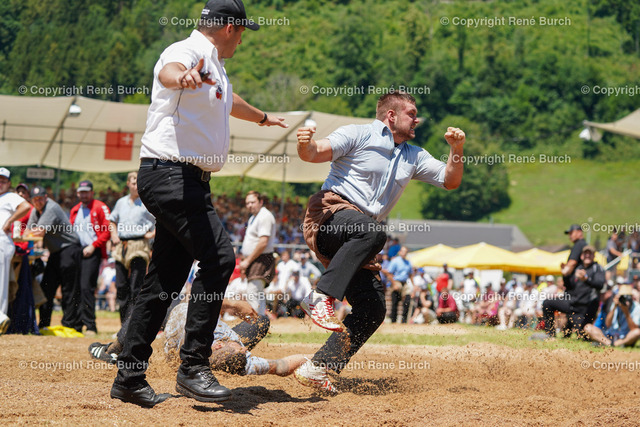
<point x="210" y="26"/>
<point x="131" y="175"/>
<point x="392" y="101"/>
<point x="255" y="193"/>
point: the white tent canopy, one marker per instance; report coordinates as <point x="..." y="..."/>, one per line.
<point x="628" y="125"/>
<point x="40" y="131"/>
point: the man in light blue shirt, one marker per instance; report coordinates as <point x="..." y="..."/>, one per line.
<point x="399" y="271"/>
<point x="370" y="167"/>
<point x="622" y="322"/>
<point x="132" y="226"/>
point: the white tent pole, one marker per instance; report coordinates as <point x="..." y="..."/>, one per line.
<point x="284" y="181"/>
<point x="61" y="129"/>
<point x="55" y="135"/>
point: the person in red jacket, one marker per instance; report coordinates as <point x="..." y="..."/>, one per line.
<point x="89" y="220"/>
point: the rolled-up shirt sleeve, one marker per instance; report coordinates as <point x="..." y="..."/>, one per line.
<point x="343" y="140"/>
<point x="181" y="53"/>
<point x="429" y="169"/>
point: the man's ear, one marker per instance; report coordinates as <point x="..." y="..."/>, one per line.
<point x="391" y="116"/>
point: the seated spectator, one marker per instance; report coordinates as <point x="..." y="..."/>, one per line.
<point x="308" y="270"/>
<point x="424" y="309"/>
<point x="447" y="311"/>
<point x="507" y="313"/>
<point x="526" y="310"/>
<point x="621" y="323"/>
<point x="486" y="308"/>
<point x="297" y="288"/>
<point x="470" y="291"/>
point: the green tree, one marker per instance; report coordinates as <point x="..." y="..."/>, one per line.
<point x="484" y="184"/>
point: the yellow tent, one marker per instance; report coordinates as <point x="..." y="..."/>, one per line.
<point x="549" y="263"/>
<point x="425" y="256"/>
<point x="552" y="266"/>
<point x="484" y="256"/>
<point x="539" y="261"/>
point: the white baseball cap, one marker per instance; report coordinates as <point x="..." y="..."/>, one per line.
<point x="5" y="172"/>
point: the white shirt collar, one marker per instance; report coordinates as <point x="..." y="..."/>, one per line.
<point x="205" y="44"/>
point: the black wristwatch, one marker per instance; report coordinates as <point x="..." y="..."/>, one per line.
<point x="264" y="119"/>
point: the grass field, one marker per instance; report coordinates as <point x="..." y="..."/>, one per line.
<point x="513" y="338"/>
<point x="291" y="331"/>
<point x="546" y="198"/>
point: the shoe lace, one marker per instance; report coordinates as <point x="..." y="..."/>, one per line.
<point x="329" y="306"/>
<point x="208" y="376"/>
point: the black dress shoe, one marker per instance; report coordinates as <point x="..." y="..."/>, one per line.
<point x="200" y="384"/>
<point x="144" y="396"/>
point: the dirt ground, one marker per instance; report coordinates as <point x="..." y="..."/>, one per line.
<point x="49" y="380"/>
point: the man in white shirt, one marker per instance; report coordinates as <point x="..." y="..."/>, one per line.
<point x="186" y="139"/>
<point x="12" y="208"/>
<point x="528" y="307"/>
<point x="284" y="269"/>
<point x="470" y="290"/>
<point x="257" y="249"/>
<point x="308" y="270"/>
<point x="278" y="288"/>
<point x="298" y="287"/>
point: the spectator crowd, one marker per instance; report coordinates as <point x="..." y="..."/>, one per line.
<point x="95" y="248"/>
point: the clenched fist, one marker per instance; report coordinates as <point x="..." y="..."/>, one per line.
<point x="305" y="135"/>
<point x="455" y="137"/>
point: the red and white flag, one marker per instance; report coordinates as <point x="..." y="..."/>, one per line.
<point x="118" y="146"/>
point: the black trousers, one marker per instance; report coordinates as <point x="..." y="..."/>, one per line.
<point x="396" y="297"/>
<point x="187" y="228"/>
<point x="128" y="284"/>
<point x="251" y="333"/>
<point x="351" y="239"/>
<point x="62" y="270"/>
<point x="89" y="270"/>
<point x="293" y="309"/>
<point x="449" y="317"/>
<point x="578" y="316"/>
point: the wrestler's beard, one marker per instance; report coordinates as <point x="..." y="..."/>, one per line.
<point x="407" y="135"/>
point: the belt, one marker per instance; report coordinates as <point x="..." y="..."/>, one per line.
<point x="128" y="239"/>
<point x="202" y="175"/>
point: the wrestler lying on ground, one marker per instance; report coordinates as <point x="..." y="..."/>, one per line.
<point x="231" y="346"/>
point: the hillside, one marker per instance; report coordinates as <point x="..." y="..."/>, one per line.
<point x="546" y="199"/>
<point x="518" y="77"/>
